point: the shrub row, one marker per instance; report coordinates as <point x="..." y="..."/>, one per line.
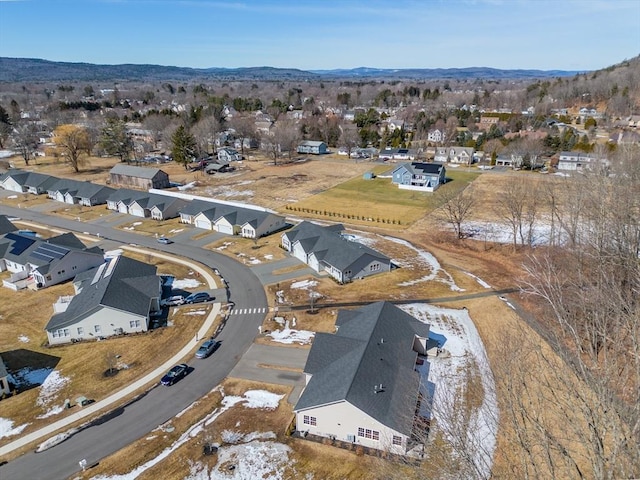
<point x="348" y="216"/>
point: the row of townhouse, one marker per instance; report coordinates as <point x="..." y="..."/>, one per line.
<point x="325" y="249"/>
<point x="230" y="219"/>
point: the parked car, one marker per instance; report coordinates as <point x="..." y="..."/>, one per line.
<point x="198" y="297"/>
<point x="176" y="373"/>
<point x="207" y="348"/>
<point x="165" y="240"/>
<point x="171" y="301"/>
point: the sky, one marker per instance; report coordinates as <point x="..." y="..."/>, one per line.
<point x="325" y="34"/>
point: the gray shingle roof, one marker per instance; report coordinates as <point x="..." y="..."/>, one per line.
<point x="373" y="347"/>
<point x="131" y="171"/>
<point x="3" y="369"/>
<point x="127" y="285"/>
<point x="330" y="247"/>
<point x="6" y="226"/>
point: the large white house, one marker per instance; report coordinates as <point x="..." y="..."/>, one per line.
<point x="361" y="384"/>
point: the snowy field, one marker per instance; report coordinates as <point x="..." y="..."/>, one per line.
<point x="445" y="377"/>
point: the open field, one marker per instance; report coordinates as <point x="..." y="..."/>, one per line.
<point x="376" y="202"/>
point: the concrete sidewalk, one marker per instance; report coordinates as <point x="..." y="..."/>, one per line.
<point x="151" y="378"/>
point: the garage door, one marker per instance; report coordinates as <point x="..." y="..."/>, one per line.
<point x="224" y="228"/>
<point x="205" y="224"/>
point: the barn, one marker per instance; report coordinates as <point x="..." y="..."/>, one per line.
<point x="138" y="177"/>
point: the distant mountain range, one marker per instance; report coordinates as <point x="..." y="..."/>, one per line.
<point x="37" y="70"/>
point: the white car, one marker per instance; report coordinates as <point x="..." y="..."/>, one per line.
<point x="171" y="301"/>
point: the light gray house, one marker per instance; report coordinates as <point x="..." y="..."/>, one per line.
<point x="38" y="263"/>
<point x="313" y="147"/>
<point x="4" y="379"/>
<point x="113" y="299"/>
<point x="138" y="177"/>
<point x="231" y="219"/>
<point x="578" y="161"/>
<point x="76" y="192"/>
<point x="361" y="384"/>
<point x="425" y="177"/>
<point x="120" y="199"/>
<point x="325" y="249"/>
<point x="227" y="154"/>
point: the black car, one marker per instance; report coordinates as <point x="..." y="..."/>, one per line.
<point x="176" y="373"/>
<point x="198" y="297"/>
<point x="207" y="348"/>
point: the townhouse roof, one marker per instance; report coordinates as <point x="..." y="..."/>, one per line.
<point x="329" y="246"/>
<point x="370" y="363"/>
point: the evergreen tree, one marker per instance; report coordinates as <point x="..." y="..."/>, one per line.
<point x="115" y="140"/>
<point x="184" y="146"/>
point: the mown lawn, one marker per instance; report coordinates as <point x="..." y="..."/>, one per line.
<point x="377" y="201"/>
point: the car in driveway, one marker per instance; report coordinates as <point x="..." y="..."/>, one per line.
<point x="164" y="240"/>
<point x="198" y="297"/>
<point x="176" y="373"/>
<point x="207" y="348"/>
<point x="171" y="301"/>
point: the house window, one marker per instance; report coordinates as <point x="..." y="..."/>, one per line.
<point x="97" y="329"/>
<point x="307" y="420"/>
<point x="134" y="323"/>
<point x="374" y="267"/>
<point x="367" y="433"/>
<point x="80" y="331"/>
<point x="63" y="332"/>
<point x="397" y="440"/>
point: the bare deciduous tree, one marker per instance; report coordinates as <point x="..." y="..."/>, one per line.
<point x="457" y="208"/>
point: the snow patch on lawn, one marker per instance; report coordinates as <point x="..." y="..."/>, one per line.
<point x="51" y="412"/>
<point x="185" y="283"/>
<point x="50" y="387"/>
<point x="304" y="284"/>
<point x="289" y="336"/>
<point x="437" y="274"/>
<point x="23" y="338"/>
<point x="253" y="460"/>
<point x="7" y="429"/>
<point x="457" y="334"/>
<point x="479" y="280"/>
<point x="197" y="312"/>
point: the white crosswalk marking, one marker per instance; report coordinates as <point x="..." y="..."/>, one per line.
<point x="248" y="311"/>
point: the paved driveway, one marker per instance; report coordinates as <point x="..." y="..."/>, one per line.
<point x="274" y="364"/>
<point x="264" y="271"/>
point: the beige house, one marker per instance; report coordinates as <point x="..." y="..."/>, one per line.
<point x="361" y="383"/>
<point x="113" y="299"/>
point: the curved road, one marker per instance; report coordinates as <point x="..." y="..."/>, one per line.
<point x="130" y="422"/>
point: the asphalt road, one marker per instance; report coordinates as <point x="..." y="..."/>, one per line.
<point x="129" y="423"/>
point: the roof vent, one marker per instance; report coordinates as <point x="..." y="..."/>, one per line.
<point x="378" y="388"/>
